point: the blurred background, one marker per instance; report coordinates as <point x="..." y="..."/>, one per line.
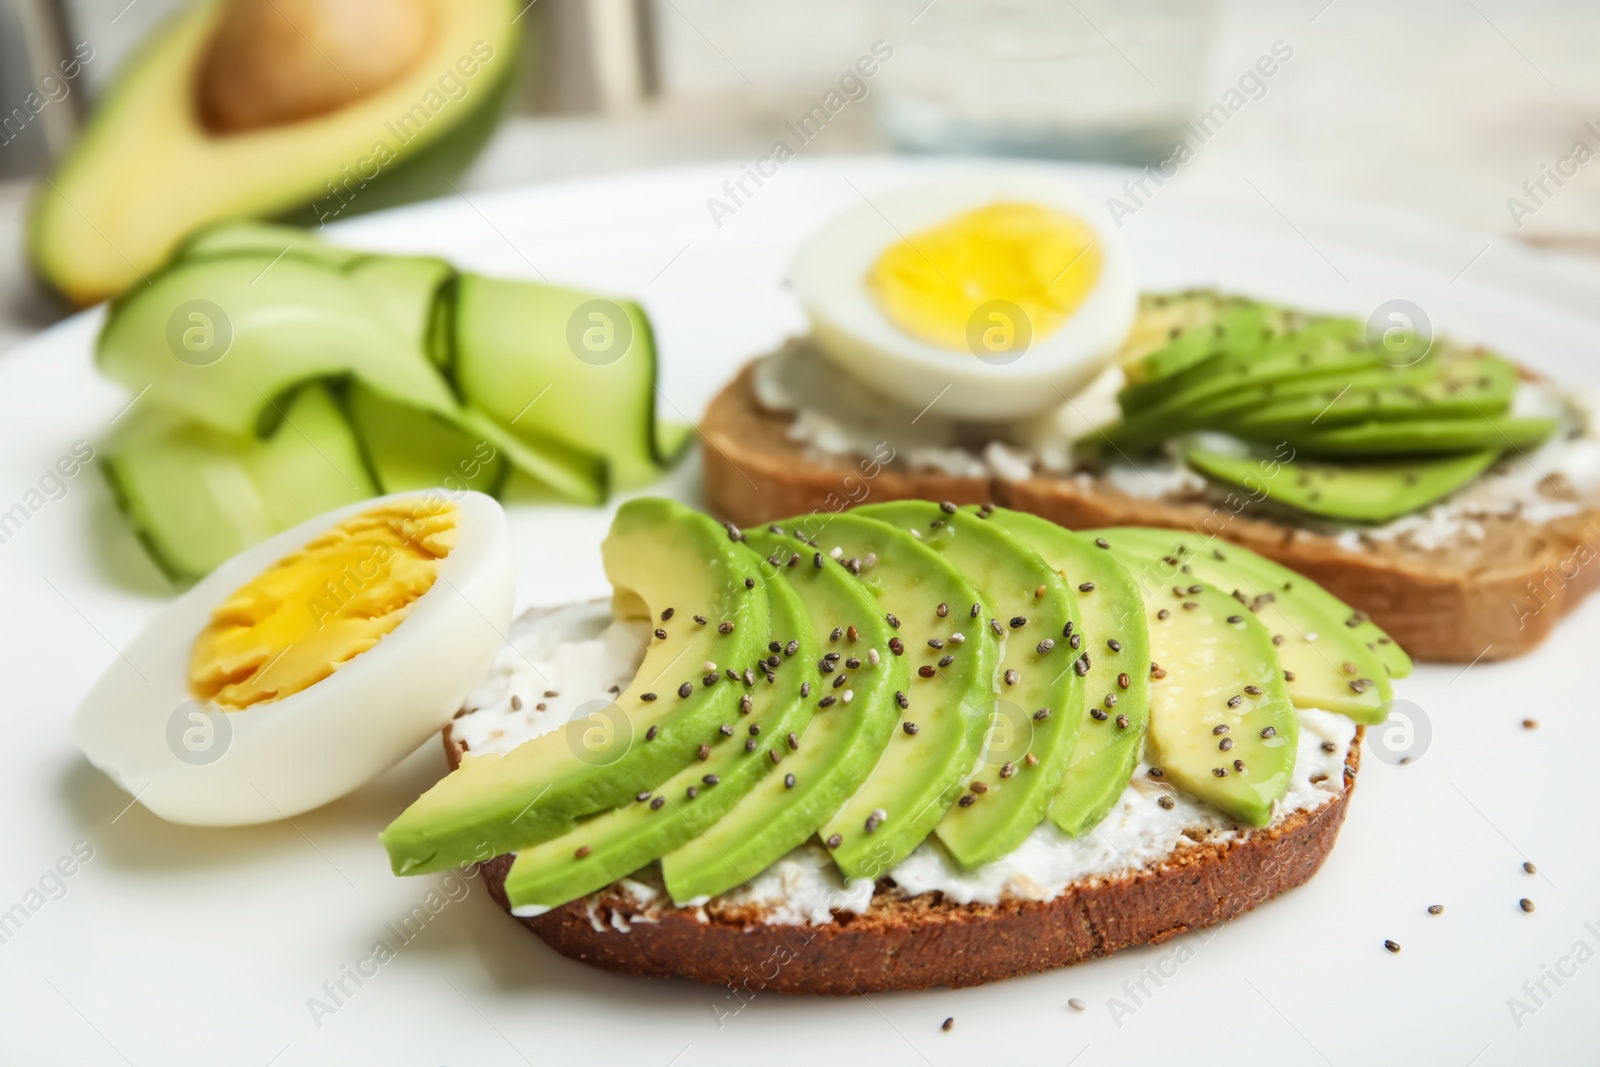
<point x="1471" y="112"/>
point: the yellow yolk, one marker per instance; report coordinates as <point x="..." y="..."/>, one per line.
<point x="311" y="612"/>
<point x="1043" y="261"/>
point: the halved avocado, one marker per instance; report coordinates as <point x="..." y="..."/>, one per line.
<point x="150" y="168"/>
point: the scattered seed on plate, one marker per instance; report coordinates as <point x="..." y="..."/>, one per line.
<point x="1392" y="946"/>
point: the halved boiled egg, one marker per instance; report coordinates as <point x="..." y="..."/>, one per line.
<point x="307" y="664"/>
<point x="1000" y="294"/>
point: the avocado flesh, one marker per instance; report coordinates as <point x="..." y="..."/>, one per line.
<point x="1421" y="436"/>
<point x="227" y="239"/>
<point x="145" y="171"/>
<point x="1331" y="667"/>
<point x="837" y="750"/>
<point x="1475" y="387"/>
<point x="920" y="775"/>
<point x="659" y="555"/>
<point x="1240" y="338"/>
<point x="615" y="843"/>
<point x="1209" y="661"/>
<point x="1202" y="324"/>
<point x="1011" y="793"/>
<point x="1106" y="752"/>
<point x="1370" y="492"/>
<point x="1288" y="585"/>
<point x="1280" y="362"/>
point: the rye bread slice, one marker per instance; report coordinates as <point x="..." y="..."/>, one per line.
<point x="1495" y="599"/>
<point x="914" y="943"/>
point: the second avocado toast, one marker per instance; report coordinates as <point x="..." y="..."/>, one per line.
<point x="907" y="745"/>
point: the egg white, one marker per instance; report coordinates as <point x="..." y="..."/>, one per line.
<point x="289" y="756"/>
<point x="829" y="277"/>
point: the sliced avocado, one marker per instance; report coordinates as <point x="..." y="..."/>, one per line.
<point x="1420" y="436"/>
<point x="1289" y="585"/>
<point x="946" y="710"/>
<point x="1368" y="492"/>
<point x="1198" y="325"/>
<point x="1324" y="347"/>
<point x="835" y="752"/>
<point x="410" y="449"/>
<point x="147" y="170"/>
<point x="1326" y="664"/>
<point x="672" y="567"/>
<point x="1479" y="385"/>
<point x="1116" y="711"/>
<point x="615" y="843"/>
<point x="1239" y="335"/>
<point x="1037" y="695"/>
<point x="552" y="364"/>
<point x="196" y="497"/>
<point x="1222" y="726"/>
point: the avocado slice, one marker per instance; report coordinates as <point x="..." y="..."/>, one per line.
<point x="231" y="239"/>
<point x="1479" y="385"/>
<point x="1199" y="326"/>
<point x="1037" y="694"/>
<point x="1368" y="492"/>
<point x="1222" y="726"/>
<point x="147" y="170"/>
<point x="946" y="710"/>
<point x="1112" y="732"/>
<point x="1327" y="665"/>
<point x="673" y="567"/>
<point x="836" y="751"/>
<point x="615" y="843"/>
<point x="1422" y="436"/>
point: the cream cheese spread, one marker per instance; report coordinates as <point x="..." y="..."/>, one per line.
<point x="831" y="417"/>
<point x="579" y="653"/>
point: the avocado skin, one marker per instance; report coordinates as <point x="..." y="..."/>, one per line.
<point x="418" y="173"/>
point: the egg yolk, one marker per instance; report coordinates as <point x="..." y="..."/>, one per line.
<point x="933" y="283"/>
<point x="302" y="618"/>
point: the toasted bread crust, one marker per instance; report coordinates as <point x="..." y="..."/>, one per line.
<point x="926" y="941"/>
<point x="1496" y="602"/>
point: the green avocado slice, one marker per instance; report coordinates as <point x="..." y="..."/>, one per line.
<point x="746" y="749"/>
<point x="836" y="751"/>
<point x="1426" y="436"/>
<point x="1269" y="576"/>
<point x="922" y="771"/>
<point x="1322" y="347"/>
<point x="1368" y="492"/>
<point x="1222" y="726"/>
<point x="1037" y="695"/>
<point x="1206" y="326"/>
<point x="146" y="170"/>
<point x="673" y="567"/>
<point x="1107" y="750"/>
<point x="1327" y="665"/>
<point x="1477" y="385"/>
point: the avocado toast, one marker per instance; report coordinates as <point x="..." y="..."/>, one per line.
<point x="908" y="745"/>
<point x="1450" y="495"/>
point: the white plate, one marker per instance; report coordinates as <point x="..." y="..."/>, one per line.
<point x="173" y="945"/>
